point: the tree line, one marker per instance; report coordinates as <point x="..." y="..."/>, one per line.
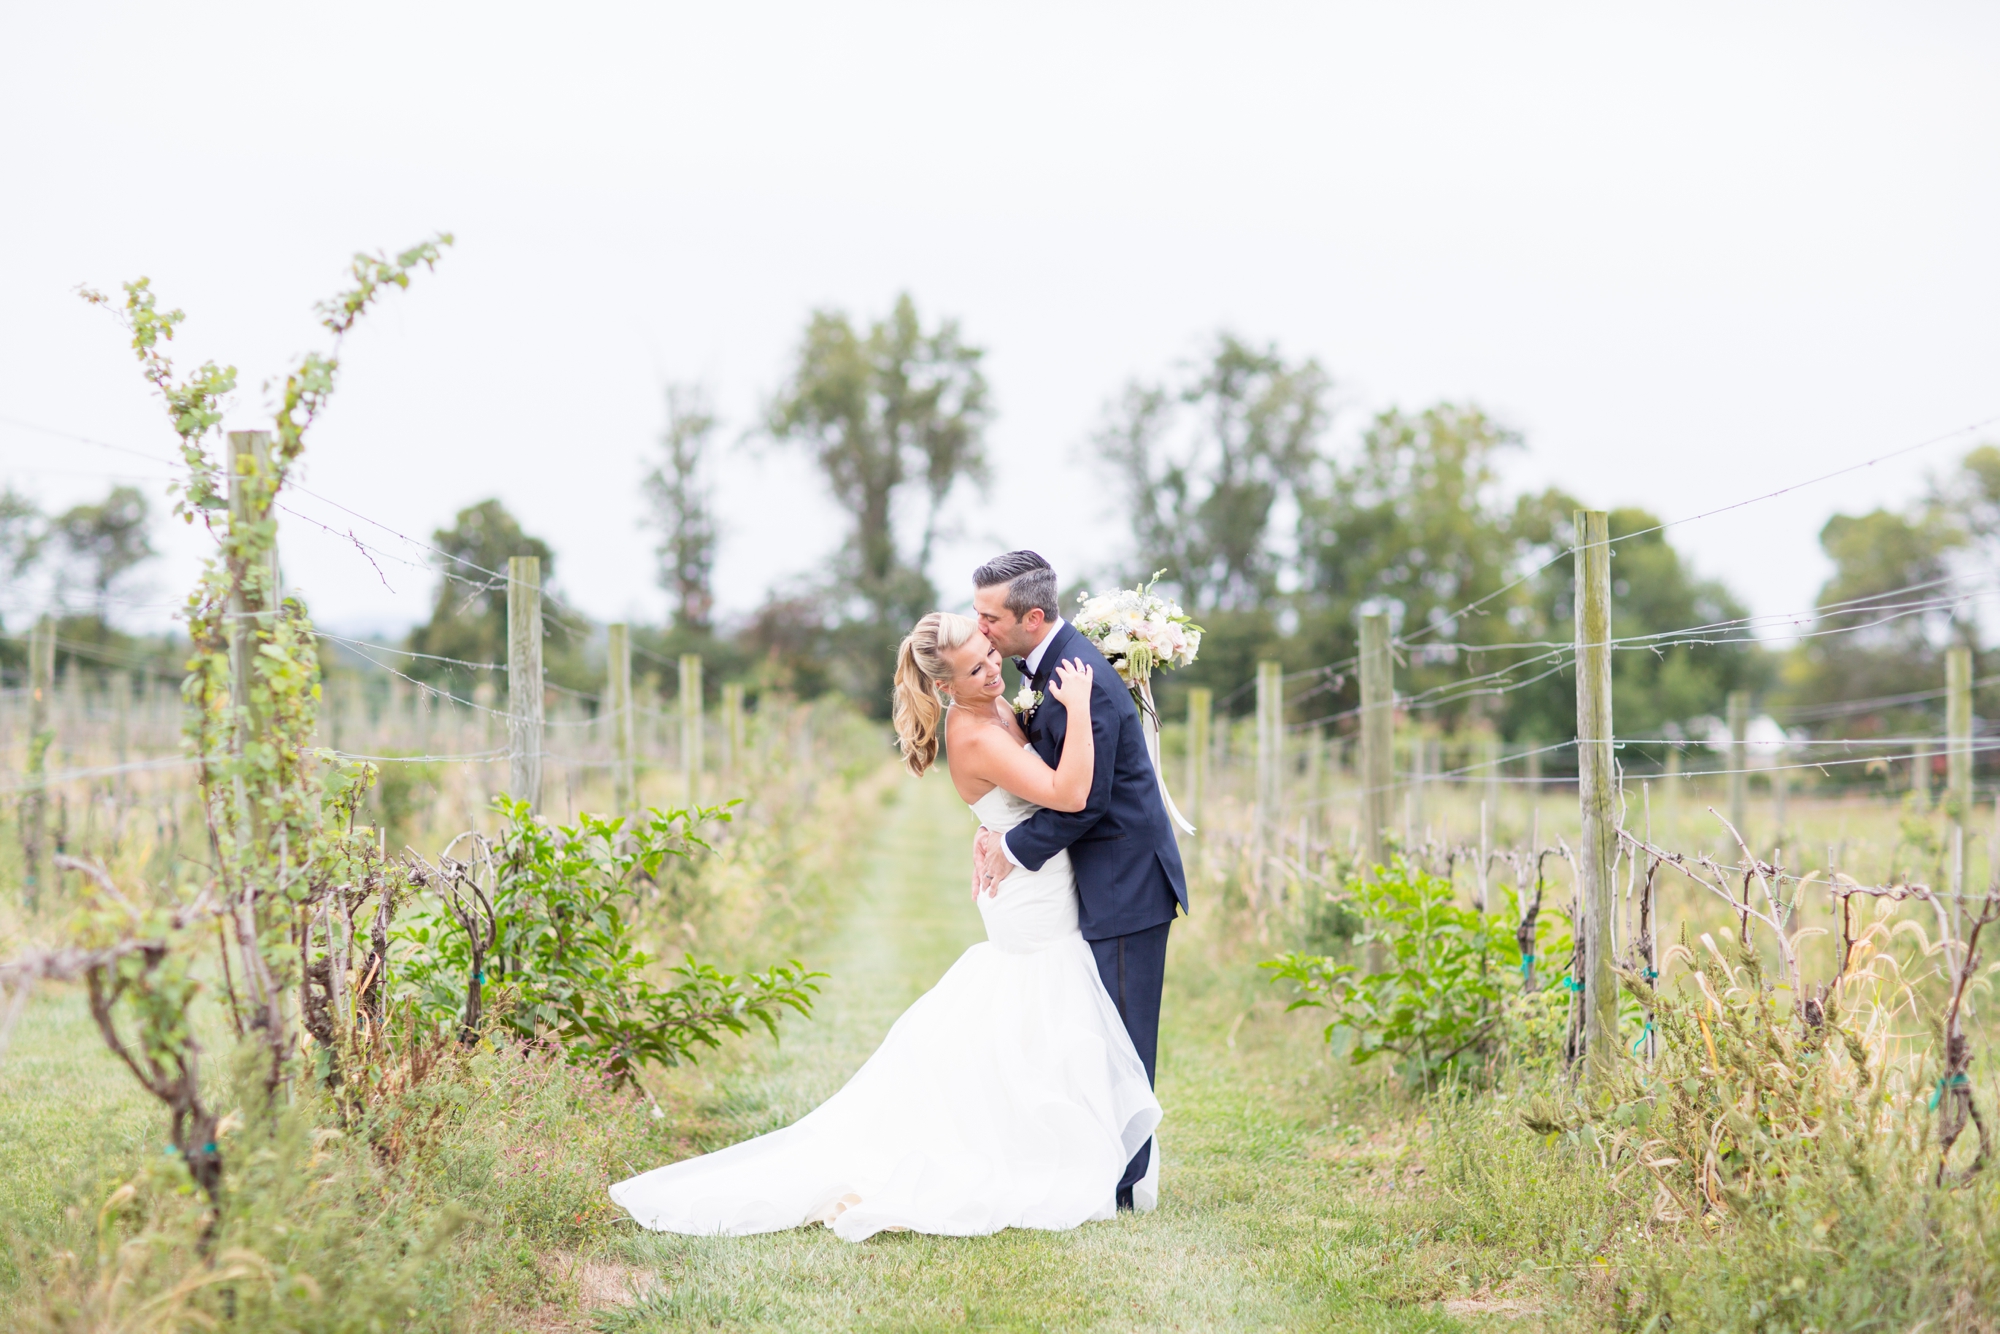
<point x="76" y="565"/>
<point x="1270" y="515"/>
<point x="1277" y="531"/>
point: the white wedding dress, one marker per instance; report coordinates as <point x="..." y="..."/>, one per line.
<point x="1009" y="1095"/>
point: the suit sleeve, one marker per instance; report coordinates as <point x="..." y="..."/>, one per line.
<point x="1044" y="834"/>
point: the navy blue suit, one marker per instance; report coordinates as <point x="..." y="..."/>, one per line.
<point x="1128" y="867"/>
<point x="1129" y="881"/>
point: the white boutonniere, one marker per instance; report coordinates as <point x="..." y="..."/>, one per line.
<point x="1026" y="701"/>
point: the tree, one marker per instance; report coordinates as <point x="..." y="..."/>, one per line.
<point x="107" y="540"/>
<point x="1902" y="589"/>
<point x="680" y="499"/>
<point x="469" y="617"/>
<point x="879" y="411"/>
<point x="1970" y="499"/>
<point x="1414" y="525"/>
<point x="1883" y="617"/>
<point x="22" y="531"/>
<point x="1962" y="513"/>
<point x="1205" y="464"/>
<point x="1889" y="578"/>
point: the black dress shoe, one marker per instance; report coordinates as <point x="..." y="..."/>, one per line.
<point x="1124" y="1199"/>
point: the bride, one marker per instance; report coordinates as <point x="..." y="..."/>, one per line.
<point x="1009" y="1095"/>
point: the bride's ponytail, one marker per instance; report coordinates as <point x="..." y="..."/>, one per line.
<point x="917" y="706"/>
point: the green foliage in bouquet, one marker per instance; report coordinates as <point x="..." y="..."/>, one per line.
<point x="535" y="932"/>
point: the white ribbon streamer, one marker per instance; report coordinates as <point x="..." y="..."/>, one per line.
<point x="1150" y="718"/>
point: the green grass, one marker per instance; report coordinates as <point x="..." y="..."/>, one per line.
<point x="1270" y="1218"/>
<point x="1297" y="1193"/>
<point x="73" y="1121"/>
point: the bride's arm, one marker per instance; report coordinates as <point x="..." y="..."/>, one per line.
<point x="996" y="758"/>
<point x="1078" y="763"/>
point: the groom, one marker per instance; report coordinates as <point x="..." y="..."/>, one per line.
<point x="1129" y="882"/>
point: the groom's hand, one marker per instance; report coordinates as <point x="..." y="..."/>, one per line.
<point x="990" y="864"/>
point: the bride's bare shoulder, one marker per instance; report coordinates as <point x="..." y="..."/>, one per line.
<point x="966" y="742"/>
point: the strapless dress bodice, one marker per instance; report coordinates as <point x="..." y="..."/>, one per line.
<point x="1000" y="810"/>
<point x="1034" y="909"/>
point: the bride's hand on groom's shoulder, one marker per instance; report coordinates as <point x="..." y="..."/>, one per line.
<point x="1071" y="686"/>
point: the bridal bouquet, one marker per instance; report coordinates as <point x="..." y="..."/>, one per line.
<point x="1137" y="631"/>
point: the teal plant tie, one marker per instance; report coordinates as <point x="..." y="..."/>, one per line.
<point x="1527" y="966"/>
<point x="1648" y="1032"/>
<point x="1572" y="983"/>
<point x="1957" y="1081"/>
<point x="1651" y="974"/>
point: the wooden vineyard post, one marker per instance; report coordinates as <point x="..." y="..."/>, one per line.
<point x="1378" y="721"/>
<point x="646" y="736"/>
<point x="1739" y="759"/>
<point x="35" y="796"/>
<point x="1958" y="733"/>
<point x="1595" y="1039"/>
<point x="1958" y="766"/>
<point x="618" y="715"/>
<point x="121" y="715"/>
<point x="250" y="599"/>
<point x="1270" y="759"/>
<point x="1646" y="937"/>
<point x="691" y="724"/>
<point x="1315" y="767"/>
<point x="524" y="679"/>
<point x="1493" y="773"/>
<point x="732" y="728"/>
<point x="1201" y="707"/>
<point x="1485" y="856"/>
<point x="1781" y="791"/>
<point x="1413" y="793"/>
<point x="423" y="704"/>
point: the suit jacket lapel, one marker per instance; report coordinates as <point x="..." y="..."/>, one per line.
<point x="1044" y="671"/>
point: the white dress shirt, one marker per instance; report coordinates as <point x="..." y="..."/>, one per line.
<point x="1034" y="661"/>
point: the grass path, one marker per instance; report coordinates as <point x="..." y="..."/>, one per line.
<point x="77" y="1145"/>
<point x="1270" y="1218"/>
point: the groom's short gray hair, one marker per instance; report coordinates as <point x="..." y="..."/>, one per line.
<point x="1030" y="580"/>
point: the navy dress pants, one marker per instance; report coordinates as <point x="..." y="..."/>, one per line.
<point x="1134" y="969"/>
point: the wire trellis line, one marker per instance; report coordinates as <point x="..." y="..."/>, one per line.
<point x="411" y="653"/>
<point x="1439" y="622"/>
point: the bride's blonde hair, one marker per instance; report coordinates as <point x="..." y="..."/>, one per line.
<point x="917" y="706"/>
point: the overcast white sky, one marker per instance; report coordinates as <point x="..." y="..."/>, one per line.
<point x="1693" y="253"/>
